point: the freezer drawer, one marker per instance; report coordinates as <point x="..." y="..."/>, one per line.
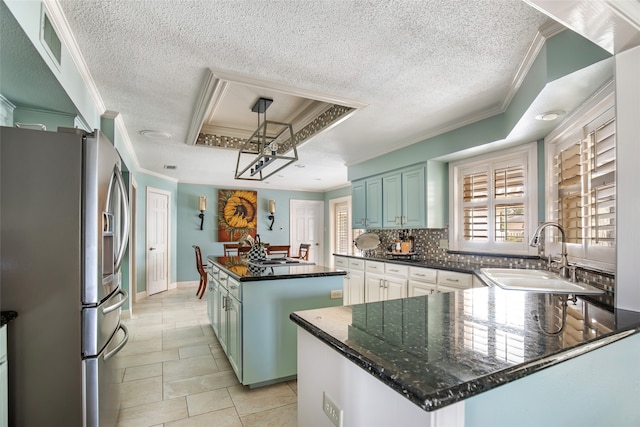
<point x="99" y="323"/>
<point x="101" y="395"/>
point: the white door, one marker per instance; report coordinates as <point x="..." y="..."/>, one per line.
<point x="157" y="240"/>
<point x="307" y="226"/>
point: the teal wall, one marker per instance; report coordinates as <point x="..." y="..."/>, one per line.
<point x="188" y="222"/>
<point x="568" y="393"/>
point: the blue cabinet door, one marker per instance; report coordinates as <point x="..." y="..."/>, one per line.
<point x="392" y="201"/>
<point x="234" y="344"/>
<point x="358" y="204"/>
<point x="414" y="209"/>
<point x="374" y="203"/>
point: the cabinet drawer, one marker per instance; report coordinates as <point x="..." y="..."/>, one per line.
<point x="423" y="274"/>
<point x="356" y="264"/>
<point x="341" y="262"/>
<point x="457" y="280"/>
<point x="374" y="267"/>
<point x="396" y="270"/>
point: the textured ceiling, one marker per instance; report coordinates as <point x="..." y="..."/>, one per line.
<point x="418" y="66"/>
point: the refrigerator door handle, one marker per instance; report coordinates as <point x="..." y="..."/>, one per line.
<point x="113" y="352"/>
<point x="119" y="304"/>
<point x="125" y="218"/>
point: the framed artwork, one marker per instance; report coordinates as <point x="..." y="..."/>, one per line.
<point x="237" y="214"/>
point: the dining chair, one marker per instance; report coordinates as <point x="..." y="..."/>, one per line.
<point x="231" y="249"/>
<point x="303" y="252"/>
<point x="243" y="250"/>
<point x="202" y="286"/>
<point x="283" y="250"/>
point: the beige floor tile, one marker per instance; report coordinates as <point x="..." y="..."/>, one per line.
<point x="188" y="368"/>
<point x="139" y="392"/>
<point x="153" y="413"/>
<point x="294" y="385"/>
<point x="186" y="332"/>
<point x="168" y="344"/>
<point x="194" y="351"/>
<point x="141" y="347"/>
<point x="199" y="384"/>
<point x="222" y="418"/>
<point x="249" y="401"/>
<point x="209" y="401"/>
<point x="284" y="416"/>
<point x="146" y="359"/>
<point x="145" y="371"/>
<point x="139" y="335"/>
<point x="223" y="364"/>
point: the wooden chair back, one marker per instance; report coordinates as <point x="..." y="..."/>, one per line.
<point x="283" y="250"/>
<point x="303" y="252"/>
<point x="200" y="266"/>
<point x="231" y="249"/>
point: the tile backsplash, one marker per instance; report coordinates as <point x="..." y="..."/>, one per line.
<point x="427" y="245"/>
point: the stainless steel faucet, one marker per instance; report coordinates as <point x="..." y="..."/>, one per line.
<point x="535" y="242"/>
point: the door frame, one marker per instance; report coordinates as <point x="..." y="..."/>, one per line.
<point x="168" y="229"/>
<point x="319" y="222"/>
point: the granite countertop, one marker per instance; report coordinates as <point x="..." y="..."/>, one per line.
<point x="463" y="267"/>
<point x="7" y="316"/>
<point x="238" y="268"/>
<point x="439" y="349"/>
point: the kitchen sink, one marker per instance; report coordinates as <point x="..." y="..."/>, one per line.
<point x="536" y="281"/>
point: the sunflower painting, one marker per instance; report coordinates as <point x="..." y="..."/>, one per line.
<point x="237" y="214"/>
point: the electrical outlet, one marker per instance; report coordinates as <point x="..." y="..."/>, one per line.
<point x="332" y="410"/>
<point x="337" y="293"/>
<point x="444" y="244"/>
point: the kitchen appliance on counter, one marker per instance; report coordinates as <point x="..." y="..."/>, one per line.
<point x="64" y="231"/>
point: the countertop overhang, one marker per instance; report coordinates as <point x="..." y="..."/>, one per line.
<point x="238" y="268"/>
<point x="440" y="349"/>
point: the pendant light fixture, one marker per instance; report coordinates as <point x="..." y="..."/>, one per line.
<point x="270" y="148"/>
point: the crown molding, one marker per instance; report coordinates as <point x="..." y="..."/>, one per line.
<point x="209" y="97"/>
<point x="157" y="175"/>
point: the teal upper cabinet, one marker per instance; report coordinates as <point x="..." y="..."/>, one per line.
<point x="414" y="197"/>
<point x="366" y="199"/>
<point x="403" y="198"/>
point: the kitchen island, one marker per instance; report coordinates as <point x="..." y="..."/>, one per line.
<point x="249" y="308"/>
<point x="430" y="360"/>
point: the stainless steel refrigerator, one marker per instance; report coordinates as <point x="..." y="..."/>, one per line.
<point x="64" y="231"/>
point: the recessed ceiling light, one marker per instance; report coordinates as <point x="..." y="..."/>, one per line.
<point x="155" y="134"/>
<point x="549" y="116"/>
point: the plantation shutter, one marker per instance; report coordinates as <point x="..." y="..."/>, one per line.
<point x="475" y="192"/>
<point x="509" y="203"/>
<point x="342" y="228"/>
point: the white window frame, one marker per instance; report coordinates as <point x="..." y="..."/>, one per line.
<point x="332" y="223"/>
<point x="600" y="258"/>
<point x="528" y="153"/>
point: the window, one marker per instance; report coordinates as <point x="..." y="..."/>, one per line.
<point x="582" y="164"/>
<point x="494" y="202"/>
<point x="340" y="223"/>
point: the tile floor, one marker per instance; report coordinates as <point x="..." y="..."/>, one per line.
<point x="175" y="374"/>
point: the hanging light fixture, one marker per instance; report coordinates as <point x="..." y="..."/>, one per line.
<point x="269" y="149"/>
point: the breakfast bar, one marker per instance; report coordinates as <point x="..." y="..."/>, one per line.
<point x="416" y="361"/>
<point x="249" y="306"/>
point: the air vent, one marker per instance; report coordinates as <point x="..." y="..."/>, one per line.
<point x="172" y="167"/>
<point x="50" y="39"/>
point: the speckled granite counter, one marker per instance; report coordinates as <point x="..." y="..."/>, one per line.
<point x="441" y="349"/>
<point x="7" y="316"/>
<point x="238" y="268"/>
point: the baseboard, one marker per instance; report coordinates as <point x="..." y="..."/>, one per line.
<point x="141" y="295"/>
<point x="189" y="284"/>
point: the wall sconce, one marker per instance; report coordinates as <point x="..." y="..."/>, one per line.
<point x="272" y="210"/>
<point x="202" y="206"/>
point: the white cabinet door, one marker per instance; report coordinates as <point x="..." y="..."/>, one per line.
<point x="356" y="287"/>
<point x="395" y="288"/>
<point x="373" y="287"/>
<point x="417" y="289"/>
